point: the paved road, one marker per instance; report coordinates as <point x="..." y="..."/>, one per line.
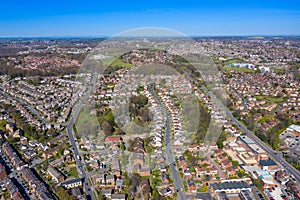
<point x="221" y="174"/>
<point x="178" y="185"/>
<point x="244" y="99"/>
<point x="277" y="156"/>
<point x="70" y="132"/>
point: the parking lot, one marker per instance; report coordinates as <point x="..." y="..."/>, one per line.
<point x="292" y="142"/>
<point x="275" y="194"/>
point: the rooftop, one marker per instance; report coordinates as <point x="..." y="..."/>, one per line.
<point x="294" y="127"/>
<point x="204" y="196"/>
<point x="230" y="185"/>
<point x="246" y="139"/>
<point x="268" y="162"/>
<point x="72" y="181"/>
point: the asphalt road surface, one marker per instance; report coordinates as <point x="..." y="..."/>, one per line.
<point x="178" y="185"/>
<point x="70" y="132"/>
<point x="277" y="156"/>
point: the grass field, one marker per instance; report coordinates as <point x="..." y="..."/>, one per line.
<point x="86" y="123"/>
<point x="227" y="62"/>
<point x="241" y="69"/>
<point x="73" y="172"/>
<point x="116" y="62"/>
<point x="120" y="63"/>
<point x="269" y="99"/>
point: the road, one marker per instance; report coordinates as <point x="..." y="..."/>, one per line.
<point x="70" y="131"/>
<point x="277" y="156"/>
<point x="244" y="99"/>
<point x="221" y="174"/>
<point x="178" y="185"/>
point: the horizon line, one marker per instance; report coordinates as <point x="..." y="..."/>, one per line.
<point x="111" y="36"/>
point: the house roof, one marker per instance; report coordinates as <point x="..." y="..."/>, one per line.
<point x="230" y="185"/>
<point x="294" y="127"/>
<point x="204" y="196"/>
<point x="72" y="181"/>
<point x="113" y="138"/>
<point x="118" y="196"/>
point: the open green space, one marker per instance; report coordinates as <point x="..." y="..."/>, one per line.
<point x="73" y="172"/>
<point x="266" y="118"/>
<point x="87" y="123"/>
<point x="235" y="60"/>
<point x="238" y="69"/>
<point x="269" y="99"/>
<point x="116" y="62"/>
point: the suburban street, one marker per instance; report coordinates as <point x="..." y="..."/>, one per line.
<point x="70" y="132"/>
<point x="178" y="185"/>
<point x="241" y="96"/>
<point x="277" y="156"/>
<point x="31" y="108"/>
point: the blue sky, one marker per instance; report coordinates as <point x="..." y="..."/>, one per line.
<point x="105" y="18"/>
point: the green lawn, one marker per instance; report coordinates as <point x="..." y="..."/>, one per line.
<point x="236" y="60"/>
<point x="237" y="69"/>
<point x="2" y="124"/>
<point x="116" y="62"/>
<point x="73" y="172"/>
<point x="269" y="99"/>
<point x="280" y="71"/>
<point x="86" y="123"/>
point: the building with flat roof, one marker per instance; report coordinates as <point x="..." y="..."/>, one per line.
<point x="246" y="195"/>
<point x="266" y="178"/>
<point x="256" y="149"/>
<point x="203" y="196"/>
<point x="268" y="164"/>
<point x="246" y="139"/>
<point x="247" y="158"/>
<point x="293" y="129"/>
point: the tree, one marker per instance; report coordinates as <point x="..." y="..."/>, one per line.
<point x="241" y="173"/>
<point x="106" y="128"/>
<point x="203" y="188"/>
<point x="235" y="163"/>
<point x="221" y="139"/>
<point x="145" y="115"/>
<point x="258" y="183"/>
<point x="134" y="182"/>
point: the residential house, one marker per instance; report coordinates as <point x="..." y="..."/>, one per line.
<point x="165" y="178"/>
<point x="56" y="175"/>
<point x="110" y="180"/>
<point x="72" y="183"/>
<point x="191" y="185"/>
